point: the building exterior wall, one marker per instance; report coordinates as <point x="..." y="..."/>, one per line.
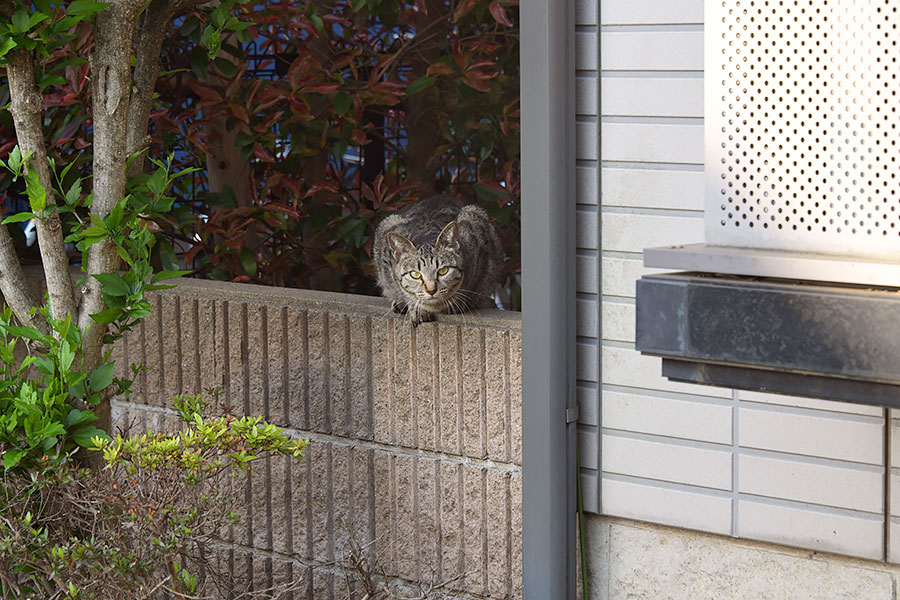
<point x="800" y="472"/>
<point x="415" y="432"/>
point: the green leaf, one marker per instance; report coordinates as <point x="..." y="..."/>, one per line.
<point x="37" y="194"/>
<point x="79" y="417"/>
<point x="85" y="8"/>
<point x="419" y="84"/>
<point x="101" y="377"/>
<point x="164" y="275"/>
<point x="157" y="182"/>
<point x="11" y="458"/>
<point x="227" y="67"/>
<point x="18" y="218"/>
<point x="106" y="316"/>
<point x="248" y="260"/>
<point x="30" y="333"/>
<point x="6" y="45"/>
<point x="342" y="103"/>
<point x="113" y="284"/>
<point x="83" y="435"/>
<point x="74" y="193"/>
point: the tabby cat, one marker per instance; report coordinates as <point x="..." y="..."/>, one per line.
<point x="437" y="257"/>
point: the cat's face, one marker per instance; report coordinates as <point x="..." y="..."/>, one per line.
<point x="429" y="275"/>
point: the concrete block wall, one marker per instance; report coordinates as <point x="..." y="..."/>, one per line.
<point x="415" y="433"/>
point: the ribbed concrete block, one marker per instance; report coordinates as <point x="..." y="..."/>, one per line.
<point x="322" y="585"/>
<point x="153" y="377"/>
<point x="257" y="361"/>
<point x="281" y="506"/>
<point x="515" y="390"/>
<point x="406" y="542"/>
<point x="301" y="508"/>
<point x="362" y="495"/>
<point x="496" y="371"/>
<point x="262" y="575"/>
<point x="277" y="365"/>
<point x="383" y="397"/>
<point x="297" y="358"/>
<point x="319" y="406"/>
<point x="499" y="544"/>
<point x="237" y="396"/>
<point x="427" y="528"/>
<point x="189" y="349"/>
<point x="515" y="500"/>
<point x="385" y="513"/>
<point x="403" y="410"/>
<point x="261" y="495"/>
<point x="209" y="339"/>
<point x="171" y="351"/>
<point x="339" y="374"/>
<point x="449" y="371"/>
<point x="283" y="578"/>
<point x="342" y="499"/>
<point x="360" y="384"/>
<point x="475" y="531"/>
<point x="424" y="360"/>
<point x="474" y="425"/>
<point x="319" y="457"/>
<point x="452" y="520"/>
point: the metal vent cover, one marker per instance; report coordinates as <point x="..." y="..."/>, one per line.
<point x="802" y="126"/>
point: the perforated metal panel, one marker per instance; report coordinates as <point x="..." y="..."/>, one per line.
<point x="802" y="126"/>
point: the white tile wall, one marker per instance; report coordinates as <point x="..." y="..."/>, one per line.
<point x="797" y="471"/>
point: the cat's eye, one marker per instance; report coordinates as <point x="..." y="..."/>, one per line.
<point x="415" y="275"/>
<point x="443" y="270"/>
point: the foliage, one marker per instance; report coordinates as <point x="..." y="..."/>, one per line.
<point x="147" y="522"/>
<point x="315" y="120"/>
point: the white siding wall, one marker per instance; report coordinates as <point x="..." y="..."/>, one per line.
<point x="806" y="473"/>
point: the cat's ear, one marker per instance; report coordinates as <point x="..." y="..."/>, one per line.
<point x="400" y="245"/>
<point x="449" y="237"/>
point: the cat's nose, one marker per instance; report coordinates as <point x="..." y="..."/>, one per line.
<point x="431" y="291"/>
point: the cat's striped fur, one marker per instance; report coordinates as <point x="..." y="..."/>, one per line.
<point x="437" y="257"/>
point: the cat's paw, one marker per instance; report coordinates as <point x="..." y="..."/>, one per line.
<point x="399" y="307"/>
<point x="419" y="315"/>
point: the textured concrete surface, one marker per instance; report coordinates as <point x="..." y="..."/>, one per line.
<point x="636" y="561"/>
<point x="415" y="434"/>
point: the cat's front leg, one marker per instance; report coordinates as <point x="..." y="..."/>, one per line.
<point x="399" y="306"/>
<point x="420" y="315"/>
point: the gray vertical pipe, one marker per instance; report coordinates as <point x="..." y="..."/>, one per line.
<point x="548" y="302"/>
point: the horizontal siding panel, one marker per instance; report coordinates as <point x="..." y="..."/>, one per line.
<point x="630" y="368"/>
<point x="651" y="51"/>
<point x="620" y="274"/>
<point x="666" y="462"/>
<point x="814" y="530"/>
<point x="588" y="362"/>
<point x="652" y="188"/>
<point x="812" y="403"/>
<point x="894" y="549"/>
<point x="666" y="506"/>
<point x="894" y="491"/>
<point x="895" y="446"/>
<point x="633" y="232"/>
<point x="589" y="405"/>
<point x="588" y="445"/>
<point x="666" y="416"/>
<point x="827" y="485"/>
<point x="618" y="321"/>
<point x="652" y="97"/>
<point x="650" y="12"/>
<point x="640" y="142"/>
<point x="812" y="435"/>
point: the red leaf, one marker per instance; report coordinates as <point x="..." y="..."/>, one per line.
<point x="439" y="69"/>
<point x="262" y="154"/>
<point x="463" y="8"/>
<point x="319" y="88"/>
<point x="359" y="136"/>
<point x="81" y="144"/>
<point x="499" y="13"/>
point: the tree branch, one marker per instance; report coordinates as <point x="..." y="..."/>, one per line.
<point x="26" y="107"/>
<point x="111" y="80"/>
<point x="148" y="43"/>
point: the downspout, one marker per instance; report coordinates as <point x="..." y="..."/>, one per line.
<point x="549" y="407"/>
